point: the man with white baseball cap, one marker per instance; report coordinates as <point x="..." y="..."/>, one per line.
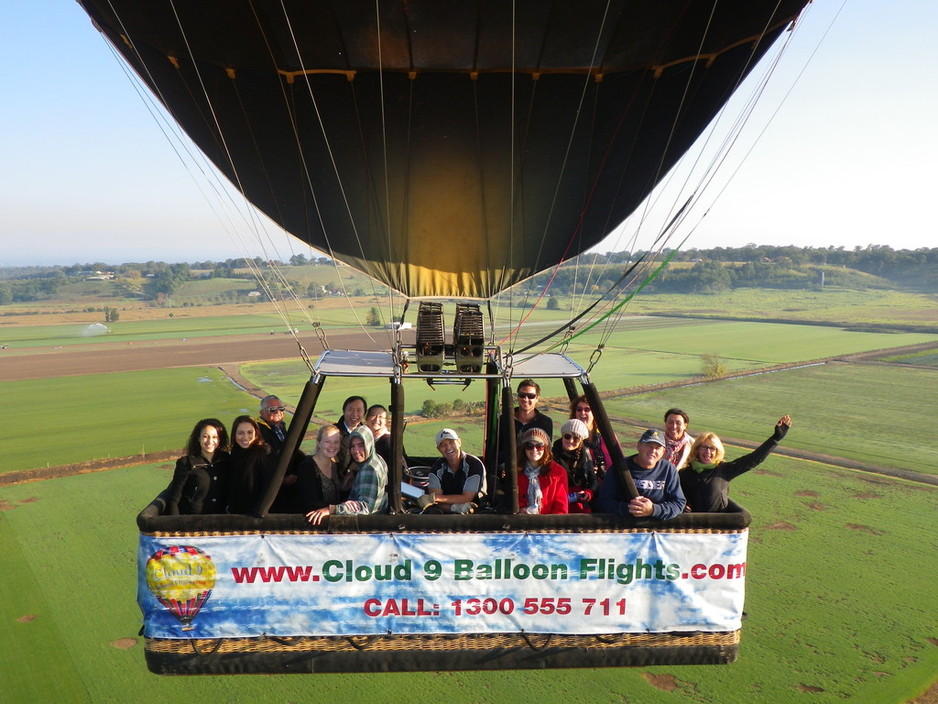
<point x="457" y="478"/>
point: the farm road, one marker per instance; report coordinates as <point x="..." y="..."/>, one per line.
<point x="77" y="360"/>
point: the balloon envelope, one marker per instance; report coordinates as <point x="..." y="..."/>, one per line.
<point x="444" y="148"/>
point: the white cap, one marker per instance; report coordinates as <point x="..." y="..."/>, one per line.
<point x="446" y="434"/>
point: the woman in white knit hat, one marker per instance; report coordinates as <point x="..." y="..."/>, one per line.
<point x="571" y="453"/>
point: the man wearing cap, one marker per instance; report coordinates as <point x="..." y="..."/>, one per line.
<point x="457" y="478"/>
<point x="656" y="479"/>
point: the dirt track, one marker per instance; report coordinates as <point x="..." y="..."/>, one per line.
<point x="76" y="360"/>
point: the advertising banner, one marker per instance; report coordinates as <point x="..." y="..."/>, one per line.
<point x="322" y="584"/>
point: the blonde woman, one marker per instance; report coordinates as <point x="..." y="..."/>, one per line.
<point x="705" y="479"/>
<point x="318" y="483"/>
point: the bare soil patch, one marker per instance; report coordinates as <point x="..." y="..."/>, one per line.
<point x="124" y="643"/>
<point x="77" y="360"/>
<point x="864" y="529"/>
<point x="781" y="526"/>
<point x="666" y="683"/>
<point x="27" y="618"/>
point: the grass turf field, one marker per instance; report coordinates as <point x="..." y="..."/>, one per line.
<point x="852" y="623"/>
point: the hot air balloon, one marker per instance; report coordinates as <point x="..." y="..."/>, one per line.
<point x="377" y="131"/>
<point x="181" y="577"/>
<point x="448" y="150"/>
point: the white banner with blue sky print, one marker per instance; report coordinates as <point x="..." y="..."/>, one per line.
<point x="321" y="584"/>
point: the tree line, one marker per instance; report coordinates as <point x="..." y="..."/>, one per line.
<point x="716" y="269"/>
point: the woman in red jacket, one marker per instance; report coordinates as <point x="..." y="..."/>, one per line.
<point x="542" y="483"/>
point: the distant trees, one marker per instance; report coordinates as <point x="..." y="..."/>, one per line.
<point x="690" y="271"/>
<point x="166" y="281"/>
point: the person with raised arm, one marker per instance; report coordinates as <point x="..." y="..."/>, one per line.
<point x="705" y="478"/>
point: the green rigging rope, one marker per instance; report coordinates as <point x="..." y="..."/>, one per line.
<point x="628" y="298"/>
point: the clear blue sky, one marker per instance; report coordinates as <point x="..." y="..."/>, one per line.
<point x="849" y="160"/>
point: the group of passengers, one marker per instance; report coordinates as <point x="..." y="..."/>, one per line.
<point x="672" y="472"/>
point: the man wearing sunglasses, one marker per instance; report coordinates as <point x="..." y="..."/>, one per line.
<point x="274" y="431"/>
<point x="526" y="414"/>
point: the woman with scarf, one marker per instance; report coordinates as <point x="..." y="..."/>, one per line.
<point x="571" y="453"/>
<point x="369" y="489"/>
<point x="705" y="479"/>
<point x="542" y="483"/>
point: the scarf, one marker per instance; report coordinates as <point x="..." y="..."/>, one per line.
<point x="700" y="467"/>
<point x="535" y="497"/>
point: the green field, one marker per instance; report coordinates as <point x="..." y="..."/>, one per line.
<point x="832" y="306"/>
<point x="114" y="415"/>
<point x="862" y="412"/>
<point x="853" y="623"/>
<point x="153" y="411"/>
<point x="178" y="326"/>
<point x="826" y="625"/>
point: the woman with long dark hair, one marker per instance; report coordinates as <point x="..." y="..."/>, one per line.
<point x="200" y="480"/>
<point x="581" y="409"/>
<point x="251" y="466"/>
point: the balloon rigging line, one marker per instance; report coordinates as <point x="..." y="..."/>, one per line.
<point x="563" y="167"/>
<point x="711" y="170"/>
<point x="335" y="171"/>
<point x="626" y="111"/>
<point x="626" y="300"/>
<point x="195" y="158"/>
<point x="211" y="178"/>
<point x="613" y="287"/>
<point x="384" y="154"/>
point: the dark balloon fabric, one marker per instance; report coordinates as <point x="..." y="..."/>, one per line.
<point x="424" y="143"/>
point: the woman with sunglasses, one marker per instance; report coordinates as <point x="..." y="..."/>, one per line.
<point x="705" y="478"/>
<point x="542" y="483"/>
<point x="581" y="410"/>
<point x="571" y="453"/>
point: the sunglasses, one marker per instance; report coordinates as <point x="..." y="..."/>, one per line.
<point x="708" y="448"/>
<point x="276" y="409"/>
<point x="526" y="395"/>
<point x="533" y="446"/>
<point x="570" y="436"/>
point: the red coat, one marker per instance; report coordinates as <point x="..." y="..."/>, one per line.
<point x="553" y="488"/>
